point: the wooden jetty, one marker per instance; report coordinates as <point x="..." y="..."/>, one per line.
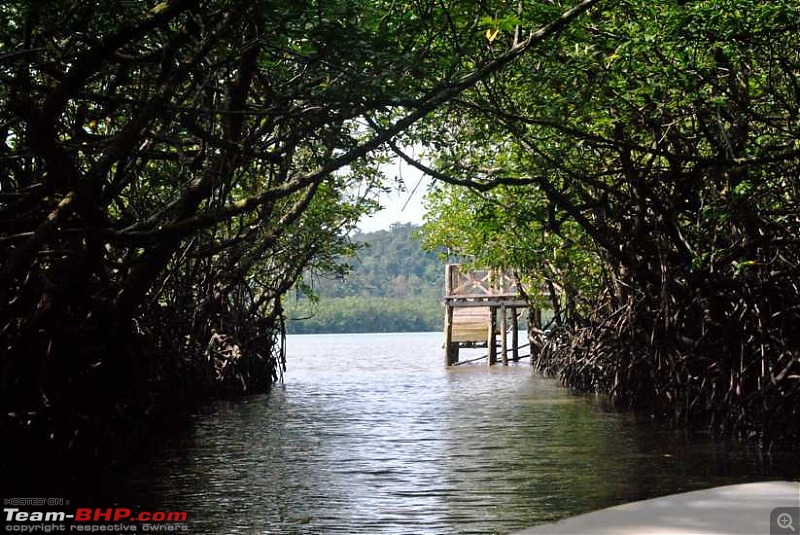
<point x="479" y="304"/>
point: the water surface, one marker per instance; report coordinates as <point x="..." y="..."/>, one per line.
<point x="371" y="434"/>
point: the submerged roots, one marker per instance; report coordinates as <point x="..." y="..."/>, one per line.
<point x="726" y="360"/>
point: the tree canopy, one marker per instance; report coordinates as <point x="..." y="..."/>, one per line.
<point x="169" y="169"/>
<point x="643" y="172"/>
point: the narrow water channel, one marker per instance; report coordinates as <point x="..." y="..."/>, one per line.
<point x="370" y="434"/>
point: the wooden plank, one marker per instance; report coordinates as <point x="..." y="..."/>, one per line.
<point x="467" y="302"/>
<point x="476" y="333"/>
<point x="470" y="324"/>
<point x="469" y="314"/>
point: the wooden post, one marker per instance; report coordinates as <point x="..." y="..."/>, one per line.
<point x="450" y="347"/>
<point x="503" y="336"/>
<point x="514" y="335"/>
<point x="448" y="280"/>
<point x="490" y="339"/>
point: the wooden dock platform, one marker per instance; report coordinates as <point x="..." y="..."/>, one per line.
<point x="479" y="306"/>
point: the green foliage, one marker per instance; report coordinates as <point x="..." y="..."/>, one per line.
<point x="508" y="228"/>
<point x="366" y="315"/>
<point x="168" y="170"/>
<point x="655" y="149"/>
<point x="390" y="263"/>
<point x="390" y="284"/>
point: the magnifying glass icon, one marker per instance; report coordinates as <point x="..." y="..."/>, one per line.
<point x="785" y="521"/>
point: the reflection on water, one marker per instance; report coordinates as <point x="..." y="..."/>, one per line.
<point x="370" y="434"/>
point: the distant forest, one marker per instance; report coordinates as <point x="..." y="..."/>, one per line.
<point x="393" y="285"/>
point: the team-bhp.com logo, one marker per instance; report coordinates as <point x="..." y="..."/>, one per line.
<point x="113" y="520"/>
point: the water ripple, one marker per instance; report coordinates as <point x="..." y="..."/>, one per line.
<point x="371" y="435"/>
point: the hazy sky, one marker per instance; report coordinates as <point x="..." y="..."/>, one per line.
<point x="393" y="203"/>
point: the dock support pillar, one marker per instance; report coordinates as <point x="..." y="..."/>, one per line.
<point x="503" y="336"/>
<point x="490" y="339"/>
<point x="450" y="347"/>
<point x="514" y="335"/>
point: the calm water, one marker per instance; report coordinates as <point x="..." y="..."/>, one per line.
<point x="370" y="434"/>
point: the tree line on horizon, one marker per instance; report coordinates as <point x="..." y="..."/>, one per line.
<point x="391" y="284"/>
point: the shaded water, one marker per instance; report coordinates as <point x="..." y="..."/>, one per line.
<point x="370" y="434"/>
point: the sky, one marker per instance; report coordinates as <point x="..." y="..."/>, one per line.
<point x="399" y="206"/>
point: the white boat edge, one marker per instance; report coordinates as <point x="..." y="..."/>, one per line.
<point x="743" y="509"/>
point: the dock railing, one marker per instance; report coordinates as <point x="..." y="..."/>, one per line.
<point x="473" y="298"/>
